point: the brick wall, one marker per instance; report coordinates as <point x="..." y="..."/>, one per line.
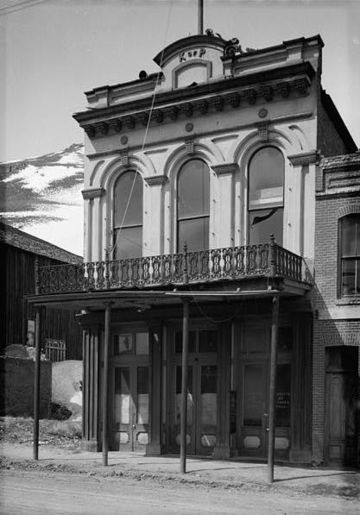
<point x="337" y="320"/>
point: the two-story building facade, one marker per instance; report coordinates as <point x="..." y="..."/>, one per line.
<point x="200" y="209"/>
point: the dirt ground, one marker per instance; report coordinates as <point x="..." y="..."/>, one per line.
<point x="31" y="492"/>
<point x="68" y="480"/>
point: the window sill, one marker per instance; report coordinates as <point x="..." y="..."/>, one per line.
<point x="348" y="301"/>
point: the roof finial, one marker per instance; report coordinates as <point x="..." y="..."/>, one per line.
<point x="200" y="16"/>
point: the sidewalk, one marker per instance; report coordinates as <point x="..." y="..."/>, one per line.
<point x="208" y="472"/>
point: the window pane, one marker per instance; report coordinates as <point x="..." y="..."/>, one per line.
<point x="128" y="242"/>
<point x="208" y="395"/>
<point x="123" y="344"/>
<point x="208" y="379"/>
<point x="350" y="277"/>
<point x="285" y="339"/>
<point x="266" y="178"/>
<point x="142" y="343"/>
<point x="142" y="395"/>
<point x="122" y="395"/>
<point x="264" y="222"/>
<point x="190" y="400"/>
<point x="128" y="186"/>
<point x="193" y="189"/>
<point x="191" y="344"/>
<point x="350" y="236"/>
<point x="143" y="380"/>
<point x="195" y="233"/>
<point x="207" y="341"/>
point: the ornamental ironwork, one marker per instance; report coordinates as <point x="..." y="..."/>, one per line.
<point x="229" y="263"/>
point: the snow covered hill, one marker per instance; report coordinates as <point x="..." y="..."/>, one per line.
<point x="42" y="196"/>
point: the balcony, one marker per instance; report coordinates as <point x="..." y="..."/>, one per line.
<point x="209" y="267"/>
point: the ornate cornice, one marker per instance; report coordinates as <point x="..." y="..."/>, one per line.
<point x="200" y="100"/>
<point x="225" y="168"/>
<point x="156" y="180"/>
<point x="92" y="193"/>
<point x="305" y="158"/>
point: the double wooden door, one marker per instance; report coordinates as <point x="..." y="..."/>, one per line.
<point x="202" y="396"/>
<point x="131" y="406"/>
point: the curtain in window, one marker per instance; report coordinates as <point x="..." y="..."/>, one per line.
<point x="350" y="254"/>
<point x="266" y="195"/>
<point x="128" y="215"/>
<point x="193" y="206"/>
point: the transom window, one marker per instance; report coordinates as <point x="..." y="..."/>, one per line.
<point x="266" y="195"/>
<point x="193" y="206"/>
<point x="128" y="215"/>
<point x="350" y="255"/>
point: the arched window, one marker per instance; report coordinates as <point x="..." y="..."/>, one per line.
<point x="128" y="215"/>
<point x="193" y="205"/>
<point x="349" y="232"/>
<point x="266" y="195"/>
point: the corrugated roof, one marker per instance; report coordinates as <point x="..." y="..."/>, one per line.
<point x="25" y="241"/>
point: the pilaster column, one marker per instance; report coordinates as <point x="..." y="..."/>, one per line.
<point x="300" y="232"/>
<point x="93" y="217"/>
<point x="91" y="389"/>
<point x="223" y="208"/>
<point x="153" y="224"/>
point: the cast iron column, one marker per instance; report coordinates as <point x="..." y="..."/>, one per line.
<point x="105" y="414"/>
<point x="272" y="388"/>
<point x="184" y="385"/>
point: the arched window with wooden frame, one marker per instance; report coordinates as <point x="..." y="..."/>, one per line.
<point x="266" y="195"/>
<point x="193" y="205"/>
<point x="349" y="254"/>
<point x="128" y="215"/>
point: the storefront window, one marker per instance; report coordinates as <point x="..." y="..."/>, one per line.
<point x="266" y="196"/>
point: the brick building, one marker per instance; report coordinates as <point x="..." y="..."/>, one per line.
<point x="336" y="340"/>
<point x="202" y="279"/>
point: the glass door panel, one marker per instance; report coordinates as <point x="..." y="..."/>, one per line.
<point x="122" y="396"/>
<point x="253" y="432"/>
<point x="143" y="395"/>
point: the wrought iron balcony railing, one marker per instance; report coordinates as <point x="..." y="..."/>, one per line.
<point x="262" y="260"/>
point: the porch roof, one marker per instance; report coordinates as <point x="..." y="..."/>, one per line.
<point x="145" y="299"/>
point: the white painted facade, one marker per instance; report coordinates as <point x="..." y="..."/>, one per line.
<point x="224" y="139"/>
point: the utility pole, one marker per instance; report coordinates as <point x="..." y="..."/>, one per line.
<point x="200" y="16"/>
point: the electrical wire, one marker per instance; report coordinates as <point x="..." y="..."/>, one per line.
<point x="111" y="250"/>
<point x="19" y="6"/>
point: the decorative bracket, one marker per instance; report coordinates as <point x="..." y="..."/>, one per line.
<point x="225" y="168"/>
<point x="92" y="193"/>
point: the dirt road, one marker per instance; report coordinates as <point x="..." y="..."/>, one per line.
<point x="35" y="492"/>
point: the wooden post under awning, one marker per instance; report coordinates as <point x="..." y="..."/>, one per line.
<point x="184" y="385"/>
<point x="37" y="385"/>
<point x="105" y="386"/>
<point x="272" y="386"/>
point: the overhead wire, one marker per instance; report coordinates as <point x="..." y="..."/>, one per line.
<point x="19" y="6"/>
<point x="111" y="250"/>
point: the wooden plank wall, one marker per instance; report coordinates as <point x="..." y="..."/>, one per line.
<point x="17" y="279"/>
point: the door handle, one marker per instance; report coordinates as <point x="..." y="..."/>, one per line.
<point x="133" y="426"/>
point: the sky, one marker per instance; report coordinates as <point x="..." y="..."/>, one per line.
<point x="51" y="51"/>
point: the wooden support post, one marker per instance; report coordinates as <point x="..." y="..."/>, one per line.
<point x="272" y="388"/>
<point x="37" y="385"/>
<point x="184" y="386"/>
<point x="105" y="386"/>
